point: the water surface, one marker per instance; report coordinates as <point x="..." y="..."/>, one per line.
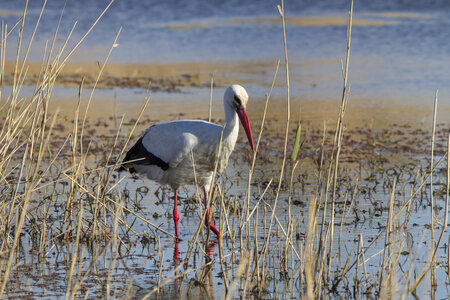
<point x="399" y="50"/>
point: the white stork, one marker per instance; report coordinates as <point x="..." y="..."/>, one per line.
<point x="186" y="152"/>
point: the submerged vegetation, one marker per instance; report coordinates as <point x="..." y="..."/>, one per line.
<point x="357" y="212"/>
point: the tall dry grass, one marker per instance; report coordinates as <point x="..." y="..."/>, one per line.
<point x="53" y="193"/>
<point x="33" y="164"/>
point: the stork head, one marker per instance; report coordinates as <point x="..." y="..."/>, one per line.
<point x="236" y="97"/>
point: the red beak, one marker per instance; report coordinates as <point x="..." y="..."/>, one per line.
<point x="242" y="113"/>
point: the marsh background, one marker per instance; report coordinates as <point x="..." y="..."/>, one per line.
<point x="399" y="57"/>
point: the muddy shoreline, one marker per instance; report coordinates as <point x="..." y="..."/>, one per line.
<point x="165" y="77"/>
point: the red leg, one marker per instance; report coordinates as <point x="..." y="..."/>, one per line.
<point x="176" y="216"/>
<point x="211" y="248"/>
<point x="205" y="202"/>
<point x="176" y="254"/>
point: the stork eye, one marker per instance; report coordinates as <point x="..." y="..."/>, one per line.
<point x="237" y="101"/>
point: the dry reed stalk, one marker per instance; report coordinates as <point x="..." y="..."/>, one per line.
<point x="358" y="258"/>
<point x="349" y="266"/>
<point x="141" y="112"/>
<point x="14" y="86"/>
<point x="9" y="117"/>
<point x="80" y="41"/>
<point x="288" y="107"/>
<point x="290" y="222"/>
<point x="267" y="240"/>
<point x="444" y="226"/>
<point x="210" y="97"/>
<point x="389" y="286"/>
<point x="338" y="136"/>
<point x="223" y="212"/>
<point x="89" y="269"/>
<point x="243" y="265"/>
<point x="106" y="173"/>
<point x="394" y="217"/>
<point x="210" y="199"/>
<point x="432" y="204"/>
<point x="76" y="166"/>
<point x="100" y="73"/>
<point x="327" y="237"/>
<point x="169" y="280"/>
<point x="83" y="125"/>
<point x="260" y="272"/>
<point x="319" y="189"/>
<point x="30" y="148"/>
<point x="23" y="170"/>
<point x="433" y="134"/>
<point x="251" y="171"/>
<point x="280" y="226"/>
<point x="2" y="64"/>
<point x="297" y="141"/>
<point x="309" y="260"/>
<point x="46" y="62"/>
<point x="387" y="240"/>
<point x="161" y="259"/>
<point x="366" y="282"/>
<point x="421" y="186"/>
<point x="345" y="211"/>
<point x="194" y="239"/>
<point x="114" y="249"/>
<point x="411" y="270"/>
<point x="408" y="208"/>
<point x="32" y="36"/>
<point x="18" y="228"/>
<point x="448" y="258"/>
<point x="38" y="140"/>
<point x="19" y="116"/>
<point x="261" y="197"/>
<point x="263" y="120"/>
<point x="75" y="252"/>
<point x="82" y="187"/>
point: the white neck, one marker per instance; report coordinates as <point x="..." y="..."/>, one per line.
<point x="230" y="134"/>
<point x="232" y="124"/>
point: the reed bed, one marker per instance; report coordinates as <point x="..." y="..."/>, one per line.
<point x="329" y="222"/>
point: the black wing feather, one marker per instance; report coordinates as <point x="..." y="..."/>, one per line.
<point x="145" y="157"/>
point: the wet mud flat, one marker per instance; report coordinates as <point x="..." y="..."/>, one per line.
<point x="155" y="77"/>
<point x="92" y="231"/>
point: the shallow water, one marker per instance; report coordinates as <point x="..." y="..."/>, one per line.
<point x="138" y="262"/>
<point x="405" y="55"/>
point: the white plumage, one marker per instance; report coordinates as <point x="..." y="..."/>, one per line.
<point x="186" y="152"/>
